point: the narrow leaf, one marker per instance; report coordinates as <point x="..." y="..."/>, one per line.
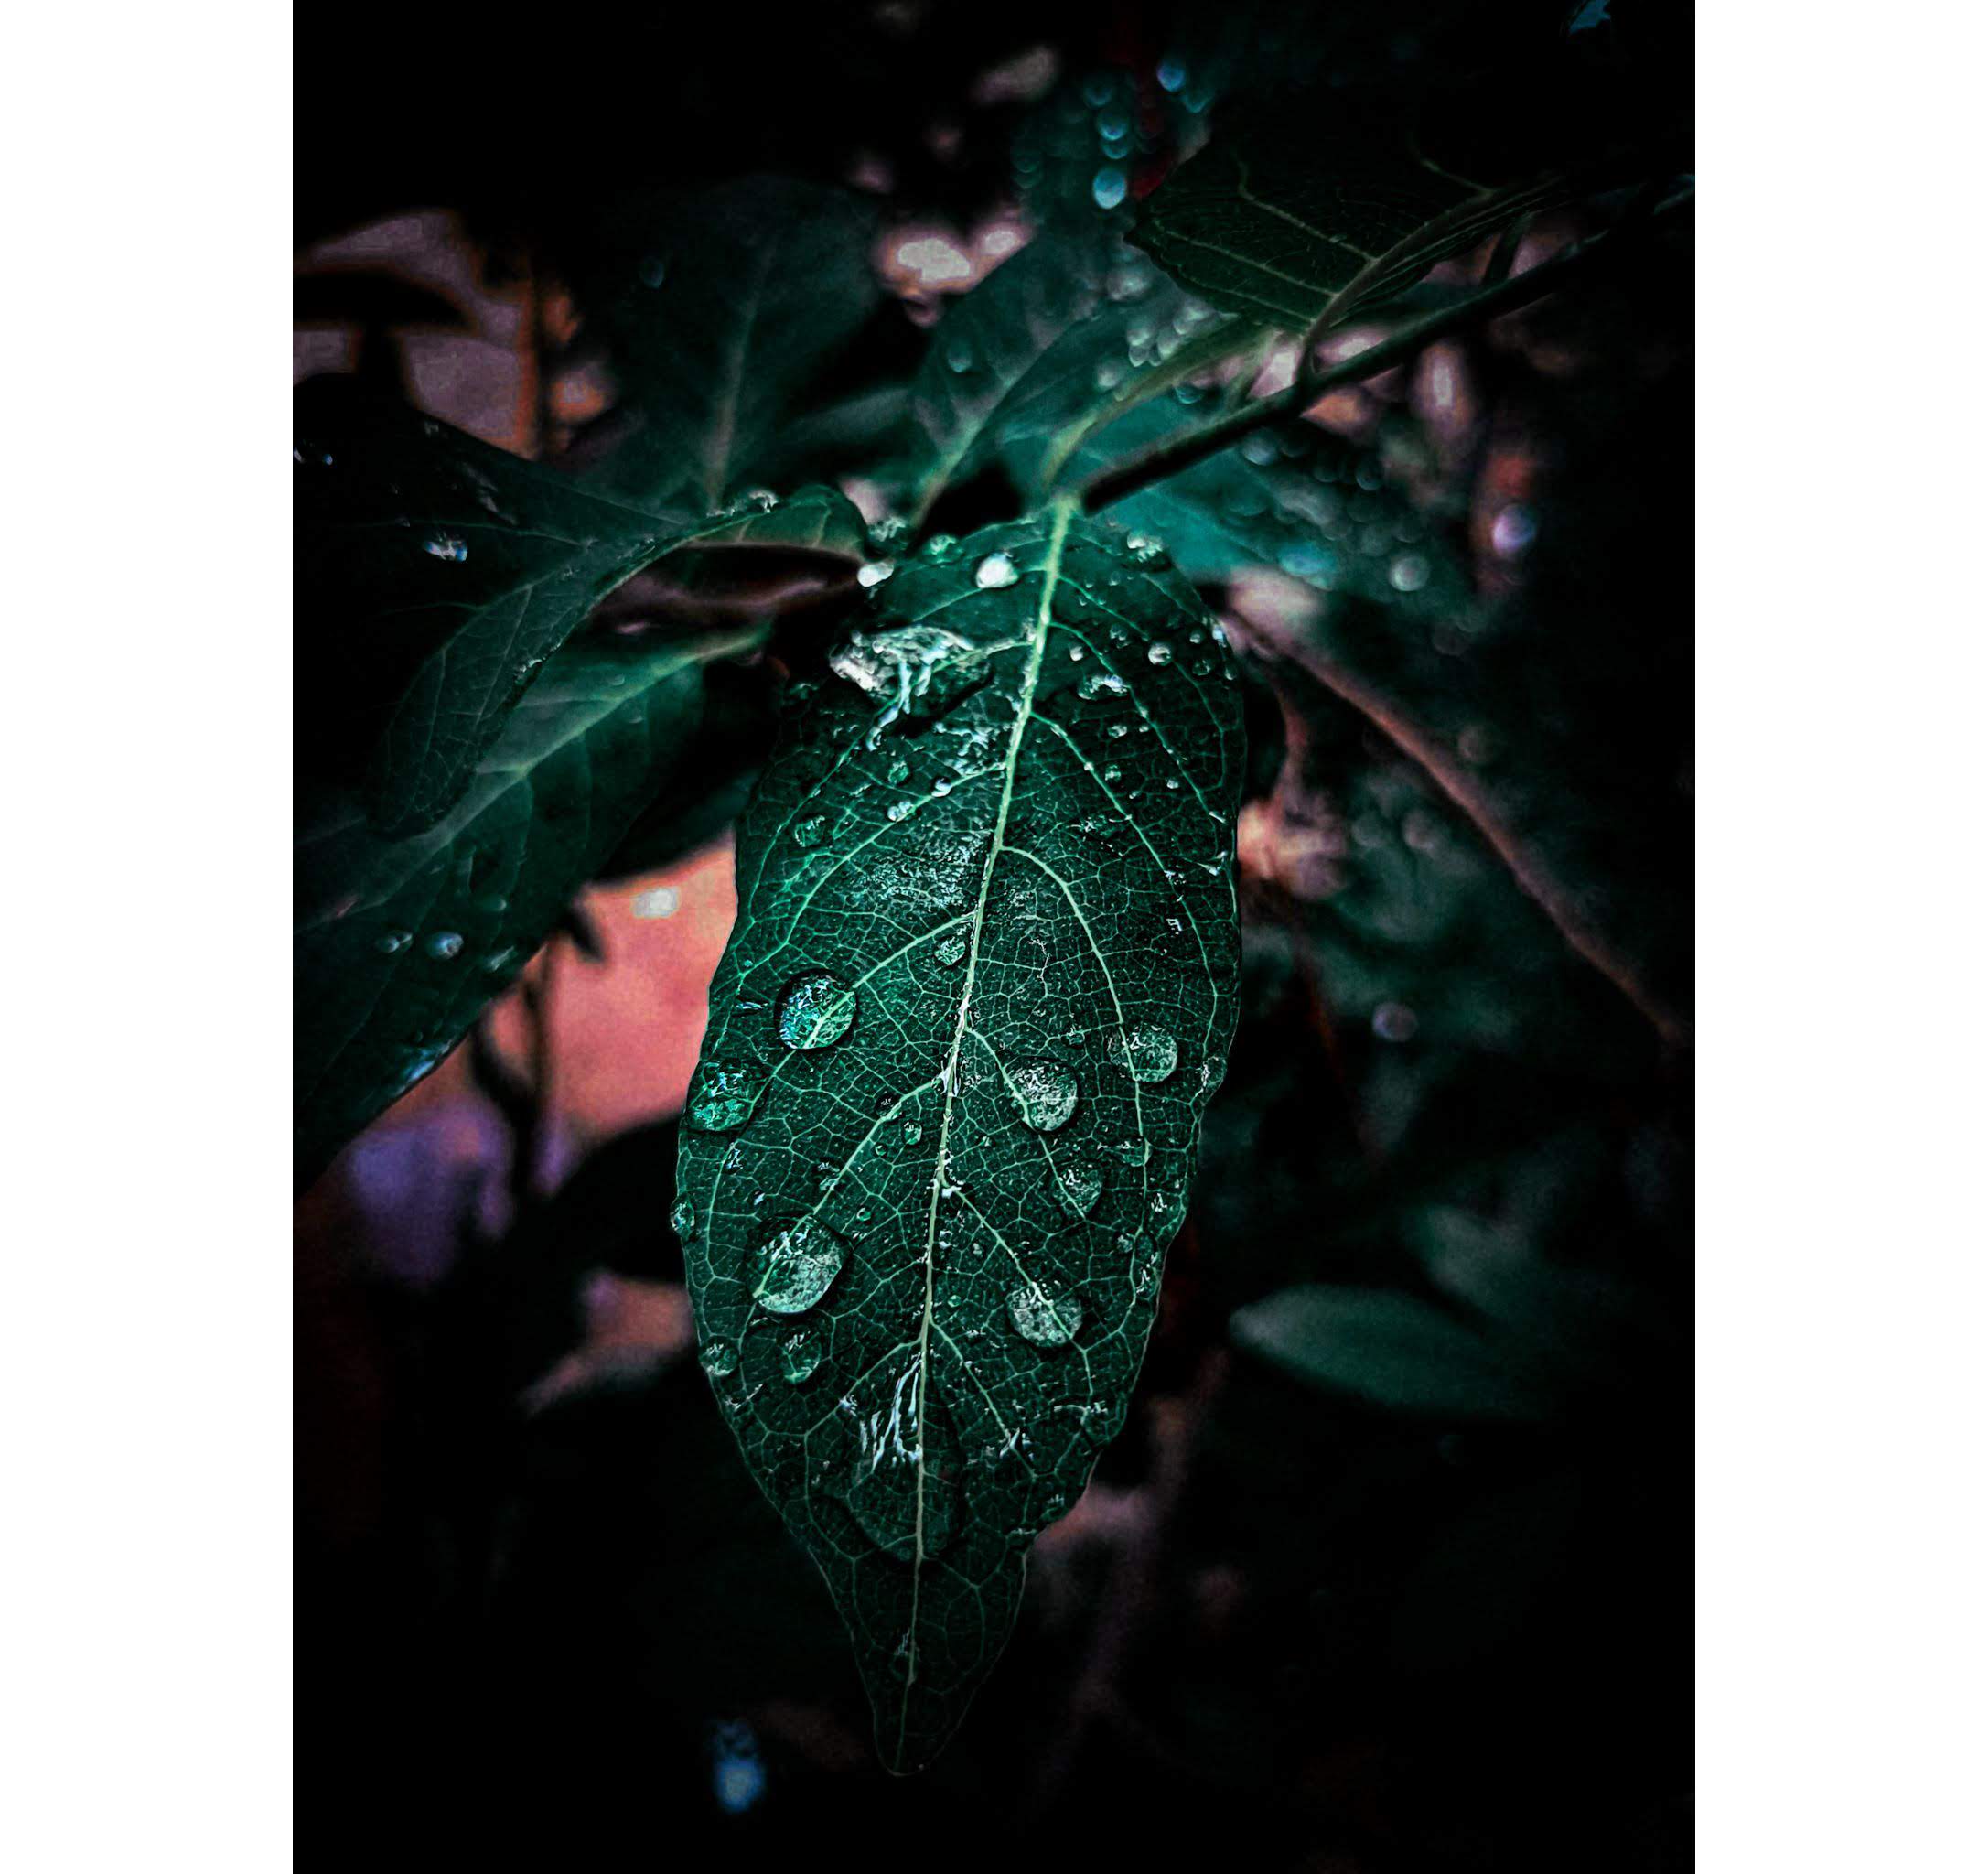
<point x="1390" y="1348"/>
<point x="979" y="992"/>
<point x="437" y="574"/>
<point x="399" y="943"/>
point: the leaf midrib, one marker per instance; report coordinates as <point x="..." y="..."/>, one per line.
<point x="1052" y="568"/>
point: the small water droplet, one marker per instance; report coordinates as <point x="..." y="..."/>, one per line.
<point x="812" y="831"/>
<point x="994" y="572"/>
<point x="387" y="941"/>
<point x="444" y="945"/>
<point x="815" y="1011"/>
<point x="718" y="1358"/>
<point x="1044" y="1315"/>
<point x="1146" y="550"/>
<point x="1108" y="187"/>
<point x="1046" y="1091"/>
<point x="684" y="1219"/>
<point x="1159" y="653"/>
<point x="722" y="1097"/>
<point x="1409" y="573"/>
<point x="1102" y="683"/>
<point x="913" y="1132"/>
<point x="801" y="1357"/>
<point x="874" y="572"/>
<point x="446" y="546"/>
<point x="1396" y="1021"/>
<point x="951" y="947"/>
<point x="1078" y="1183"/>
<point x="794" y="1269"/>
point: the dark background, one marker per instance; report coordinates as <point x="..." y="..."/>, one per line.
<point x="542" y="1613"/>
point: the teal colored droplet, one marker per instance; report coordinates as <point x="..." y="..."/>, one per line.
<point x="951" y="947"/>
<point x="812" y="831"/>
<point x="1150" y="1052"/>
<point x="795" y="1269"/>
<point x="1046" y="1091"/>
<point x="815" y="1011"/>
<point x="718" y="1358"/>
<point x="722" y="1097"/>
<point x="1044" y="1316"/>
<point x="800" y="1356"/>
<point x="994" y="572"/>
<point x="684" y="1218"/>
<point x="1079" y="1184"/>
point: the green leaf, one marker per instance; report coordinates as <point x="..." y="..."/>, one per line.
<point x="979" y="991"/>
<point x="400" y="943"/>
<point x="1289" y="211"/>
<point x="723" y="311"/>
<point x="435" y="576"/>
<point x="1291" y="498"/>
<point x="1070" y="321"/>
<point x="1390" y="1348"/>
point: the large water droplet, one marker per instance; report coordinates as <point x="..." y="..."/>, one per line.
<point x="903" y="1476"/>
<point x="1108" y="187"/>
<point x="1159" y="653"/>
<point x="794" y="1269"/>
<point x="800" y="1356"/>
<point x="951" y="948"/>
<point x="1044" y="1315"/>
<point x="816" y="1009"/>
<point x="722" y="1097"/>
<point x="874" y="572"/>
<point x="1150" y="1052"/>
<point x="994" y="572"/>
<point x="719" y="1359"/>
<point x="1046" y="1091"/>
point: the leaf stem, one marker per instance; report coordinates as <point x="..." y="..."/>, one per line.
<point x="1169" y="459"/>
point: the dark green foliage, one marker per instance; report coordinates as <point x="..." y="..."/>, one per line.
<point x="944" y="1124"/>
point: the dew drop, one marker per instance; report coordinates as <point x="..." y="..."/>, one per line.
<point x="1079" y="1184"/>
<point x="387" y="941"/>
<point x="1144" y="550"/>
<point x="446" y="546"/>
<point x="684" y="1219"/>
<point x="1046" y="1091"/>
<point x="444" y="945"/>
<point x="795" y="1268"/>
<point x="1409" y="573"/>
<point x="994" y="572"/>
<point x="1102" y="683"/>
<point x="815" y="1011"/>
<point x="812" y="831"/>
<point x="722" y="1097"/>
<point x="1159" y="653"/>
<point x="1149" y="1053"/>
<point x="801" y="1357"/>
<point x="874" y="572"/>
<point x="1044" y="1316"/>
<point x="951" y="947"/>
<point x="913" y="1132"/>
<point x="719" y="1359"/>
<point x="1108" y="187"/>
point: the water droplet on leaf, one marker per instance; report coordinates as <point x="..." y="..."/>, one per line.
<point x="794" y="1269"/>
<point x="815" y="1011"/>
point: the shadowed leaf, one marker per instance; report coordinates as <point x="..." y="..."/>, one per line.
<point x="979" y="991"/>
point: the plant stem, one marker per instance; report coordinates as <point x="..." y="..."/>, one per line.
<point x="1169" y="459"/>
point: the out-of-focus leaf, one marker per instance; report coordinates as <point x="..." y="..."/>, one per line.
<point x="1042" y="341"/>
<point x="943" y="1125"/>
<point x="1389" y="1348"/>
<point x="435" y="575"/>
<point x="399" y="943"/>
<point x="1282" y="214"/>
<point x="722" y="310"/>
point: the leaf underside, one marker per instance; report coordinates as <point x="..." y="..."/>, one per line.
<point x="979" y="991"/>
